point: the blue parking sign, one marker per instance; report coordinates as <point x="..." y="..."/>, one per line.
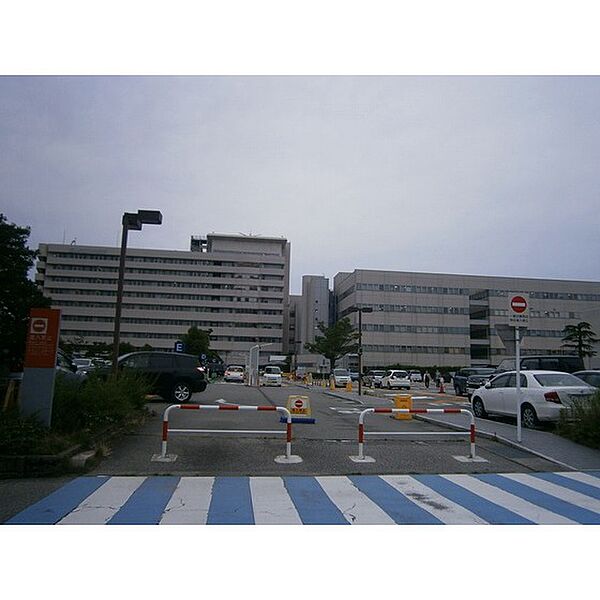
<point x="179" y="346"/>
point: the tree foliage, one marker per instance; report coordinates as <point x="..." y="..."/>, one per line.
<point x="337" y="341"/>
<point x="197" y="341"/>
<point x="18" y="294"/>
<point x="581" y="338"/>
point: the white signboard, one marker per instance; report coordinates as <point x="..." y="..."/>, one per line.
<point x="518" y="310"/>
<point x="277" y="358"/>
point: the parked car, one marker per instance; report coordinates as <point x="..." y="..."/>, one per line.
<point x="173" y="376"/>
<point x="354" y="375"/>
<point x="234" y="373"/>
<point x="396" y="379"/>
<point x="460" y="377"/>
<point x="341" y="377"/>
<point x="416" y="376"/>
<point x="590" y="377"/>
<point x="66" y="368"/>
<point x="566" y="363"/>
<point x="83" y="364"/>
<point x="544" y="394"/>
<point x="373" y="378"/>
<point x="478" y="379"/>
<point x="271" y="376"/>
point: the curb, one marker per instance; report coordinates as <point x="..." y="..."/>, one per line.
<point x="497" y="438"/>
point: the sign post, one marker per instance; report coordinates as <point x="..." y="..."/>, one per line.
<point x="518" y="316"/>
<point x="40" y="363"/>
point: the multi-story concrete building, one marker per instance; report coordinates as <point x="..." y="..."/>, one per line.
<point x="307" y="310"/>
<point x="429" y="319"/>
<point x="235" y="285"/>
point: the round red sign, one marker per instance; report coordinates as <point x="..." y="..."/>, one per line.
<point x="518" y="304"/>
<point x="299" y="403"/>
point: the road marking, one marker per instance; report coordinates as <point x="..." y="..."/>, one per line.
<point x="398" y="506"/>
<point x="583" y="477"/>
<point x="190" y="502"/>
<point x="346" y="411"/>
<point x="272" y="504"/>
<point x="101" y="506"/>
<point x="60" y="503"/>
<point x="231" y="502"/>
<point x="147" y="503"/>
<point x="312" y="503"/>
<point x="519" y="506"/>
<point x="440" y="507"/>
<point x="355" y="506"/>
<point x="544" y="498"/>
<point x="486" y="509"/>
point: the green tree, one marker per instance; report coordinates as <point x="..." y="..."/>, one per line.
<point x="18" y="294"/>
<point x="580" y="337"/>
<point x="197" y="341"/>
<point x="337" y="341"/>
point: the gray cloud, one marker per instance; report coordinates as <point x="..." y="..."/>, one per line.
<point x="482" y="175"/>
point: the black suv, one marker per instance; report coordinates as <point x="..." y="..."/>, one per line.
<point x="460" y="378"/>
<point x="174" y="376"/>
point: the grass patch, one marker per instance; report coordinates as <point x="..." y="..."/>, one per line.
<point x="581" y="423"/>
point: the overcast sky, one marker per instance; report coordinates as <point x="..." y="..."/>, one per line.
<point x="477" y="175"/>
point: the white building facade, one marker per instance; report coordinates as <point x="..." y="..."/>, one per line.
<point x="435" y="319"/>
<point x="235" y="285"/>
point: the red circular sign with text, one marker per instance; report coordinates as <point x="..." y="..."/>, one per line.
<point x="299" y="403"/>
<point x="518" y="304"/>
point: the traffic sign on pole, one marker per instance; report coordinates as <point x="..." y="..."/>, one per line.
<point x="518" y="310"/>
<point x="518" y="316"/>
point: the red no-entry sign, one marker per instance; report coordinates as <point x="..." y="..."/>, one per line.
<point x="518" y="304"/>
<point x="518" y="310"/>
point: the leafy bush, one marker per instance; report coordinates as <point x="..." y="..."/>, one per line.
<point x="582" y="423"/>
<point x="97" y="402"/>
<point x="80" y="409"/>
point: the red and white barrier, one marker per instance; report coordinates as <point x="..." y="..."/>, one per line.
<point x="413" y="411"/>
<point x="287" y="458"/>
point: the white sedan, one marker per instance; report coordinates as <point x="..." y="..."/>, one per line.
<point x="396" y="379"/>
<point x="544" y="394"/>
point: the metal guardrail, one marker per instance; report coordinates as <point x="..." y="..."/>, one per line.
<point x="361" y="428"/>
<point x="287" y="458"/>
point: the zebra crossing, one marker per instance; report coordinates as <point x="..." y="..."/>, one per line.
<point x="509" y="498"/>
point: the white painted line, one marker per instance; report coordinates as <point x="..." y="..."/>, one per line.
<point x="356" y="507"/>
<point x="582" y="477"/>
<point x="525" y="509"/>
<point x="439" y="506"/>
<point x="557" y="491"/>
<point x="190" y="502"/>
<point x="100" y="507"/>
<point x="271" y="502"/>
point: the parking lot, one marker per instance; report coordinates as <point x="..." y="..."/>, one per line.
<point x="228" y="450"/>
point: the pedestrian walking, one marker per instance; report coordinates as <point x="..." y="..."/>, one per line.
<point x="427" y="379"/>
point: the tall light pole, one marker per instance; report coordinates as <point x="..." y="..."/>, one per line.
<point x="361" y="310"/>
<point x="134" y="222"/>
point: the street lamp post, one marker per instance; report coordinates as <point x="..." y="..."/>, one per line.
<point x="366" y="309"/>
<point x="134" y="222"/>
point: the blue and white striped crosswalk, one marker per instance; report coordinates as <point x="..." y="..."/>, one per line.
<point x="509" y="498"/>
